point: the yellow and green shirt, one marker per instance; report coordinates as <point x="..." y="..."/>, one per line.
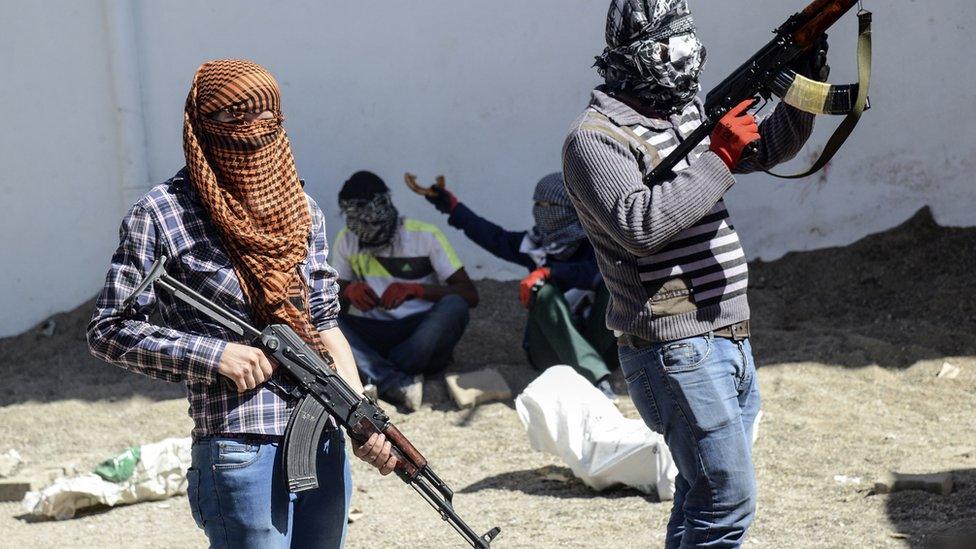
<point x="418" y="253"/>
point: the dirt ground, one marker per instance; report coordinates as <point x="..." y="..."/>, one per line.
<point x="849" y="341"/>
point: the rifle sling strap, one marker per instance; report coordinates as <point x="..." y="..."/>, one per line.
<point x="847" y="126"/>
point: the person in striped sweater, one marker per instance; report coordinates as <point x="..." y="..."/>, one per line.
<point x="671" y="257"/>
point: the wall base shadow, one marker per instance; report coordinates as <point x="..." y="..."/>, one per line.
<point x="52" y="364"/>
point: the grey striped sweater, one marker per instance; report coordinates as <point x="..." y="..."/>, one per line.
<point x="669" y="254"/>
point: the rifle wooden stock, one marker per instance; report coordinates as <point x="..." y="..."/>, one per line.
<point x="822" y="15"/>
<point x="816" y="7"/>
<point x="410" y="452"/>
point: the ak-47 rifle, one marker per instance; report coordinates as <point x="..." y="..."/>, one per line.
<point x="768" y="73"/>
<point x="321" y="393"/>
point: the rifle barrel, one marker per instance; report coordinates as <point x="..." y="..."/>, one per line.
<point x="193" y="298"/>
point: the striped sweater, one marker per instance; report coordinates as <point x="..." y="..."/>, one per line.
<point x="669" y="254"/>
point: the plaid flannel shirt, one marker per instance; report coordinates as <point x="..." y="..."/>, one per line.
<point x="169" y="221"/>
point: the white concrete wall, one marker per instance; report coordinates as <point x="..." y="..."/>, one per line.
<point x="60" y="190"/>
<point x="480" y="91"/>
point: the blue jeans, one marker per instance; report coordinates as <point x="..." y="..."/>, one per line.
<point x="239" y="496"/>
<point x="702" y="394"/>
<point x="389" y="352"/>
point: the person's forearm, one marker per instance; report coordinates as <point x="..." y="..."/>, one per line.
<point x="783" y="134"/>
<point x="337" y="345"/>
<point x="489" y="236"/>
<point x="603" y="177"/>
<point x="155" y="351"/>
<point x="122" y="335"/>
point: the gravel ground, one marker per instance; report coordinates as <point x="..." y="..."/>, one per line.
<point x="849" y="341"/>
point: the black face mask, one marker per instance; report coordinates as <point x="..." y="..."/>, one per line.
<point x="557" y="227"/>
<point x="374" y="221"/>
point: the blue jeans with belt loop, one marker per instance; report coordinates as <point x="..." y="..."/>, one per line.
<point x="702" y="394"/>
<point x="239" y="496"/>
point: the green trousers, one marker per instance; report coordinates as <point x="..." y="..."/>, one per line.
<point x="551" y="336"/>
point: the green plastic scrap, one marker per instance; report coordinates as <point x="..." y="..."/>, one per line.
<point x="119" y="468"/>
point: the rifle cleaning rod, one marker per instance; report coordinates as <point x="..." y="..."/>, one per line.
<point x="226" y="318"/>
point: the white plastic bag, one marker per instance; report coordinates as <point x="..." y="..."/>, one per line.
<point x="160" y="473"/>
<point x="566" y="416"/>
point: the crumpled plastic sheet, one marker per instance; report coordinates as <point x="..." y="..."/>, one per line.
<point x="568" y="417"/>
<point x="160" y="474"/>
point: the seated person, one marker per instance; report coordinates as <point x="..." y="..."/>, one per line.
<point x="404" y="292"/>
<point x="564" y="292"/>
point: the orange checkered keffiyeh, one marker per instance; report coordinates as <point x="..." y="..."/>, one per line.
<point x="245" y="176"/>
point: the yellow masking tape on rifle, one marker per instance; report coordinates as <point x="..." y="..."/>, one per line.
<point x="808" y="95"/>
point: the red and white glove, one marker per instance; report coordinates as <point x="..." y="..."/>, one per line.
<point x="535" y="279"/>
<point x="398" y="292"/>
<point x="361" y="296"/>
<point x="734" y="132"/>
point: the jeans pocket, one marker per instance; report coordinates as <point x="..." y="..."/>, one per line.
<point x="639" y="388"/>
<point x="235" y="455"/>
<point x="193" y="494"/>
<point x="685" y="355"/>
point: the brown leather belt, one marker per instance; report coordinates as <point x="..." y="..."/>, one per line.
<point x="736" y="332"/>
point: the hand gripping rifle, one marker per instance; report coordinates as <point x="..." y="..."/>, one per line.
<point x="767" y="73"/>
<point x="322" y="393"/>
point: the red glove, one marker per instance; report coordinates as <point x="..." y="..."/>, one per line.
<point x="536" y="278"/>
<point x="398" y="292"/>
<point x="442" y="199"/>
<point x="734" y="132"/>
<point x="361" y="296"/>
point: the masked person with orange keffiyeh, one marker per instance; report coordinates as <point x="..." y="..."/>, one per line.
<point x="236" y="225"/>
